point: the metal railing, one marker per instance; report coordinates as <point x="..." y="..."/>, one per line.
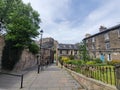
<point x="17" y="75"/>
<point x="106" y="74"/>
<point x="117" y="76"/>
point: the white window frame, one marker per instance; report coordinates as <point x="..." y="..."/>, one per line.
<point x="106" y="36"/>
<point x="109" y="57"/>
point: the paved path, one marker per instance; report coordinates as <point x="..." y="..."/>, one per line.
<point x="52" y="78"/>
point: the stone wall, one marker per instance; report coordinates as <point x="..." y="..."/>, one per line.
<point x="89" y="83"/>
<point x="27" y="60"/>
<point x="114" y="39"/>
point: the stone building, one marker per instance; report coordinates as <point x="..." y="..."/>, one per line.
<point x="47" y="50"/>
<point x="105" y="44"/>
<point x="67" y="50"/>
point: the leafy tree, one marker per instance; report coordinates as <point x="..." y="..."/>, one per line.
<point x="83" y="51"/>
<point x="33" y="48"/>
<point x="22" y="23"/>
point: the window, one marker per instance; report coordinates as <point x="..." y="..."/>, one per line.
<point x="66" y="51"/>
<point x="106" y="36"/>
<point x="93" y="39"/>
<point x="64" y="46"/>
<point x="93" y="46"/>
<point x="86" y="41"/>
<point x="71" y="53"/>
<point x="109" y="57"/>
<point x="107" y="45"/>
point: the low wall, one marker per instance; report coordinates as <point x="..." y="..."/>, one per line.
<point x="89" y="83"/>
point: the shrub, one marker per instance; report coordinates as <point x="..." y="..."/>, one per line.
<point x="33" y="48"/>
<point x="113" y="62"/>
<point x="79" y="62"/>
<point x="71" y="57"/>
<point x="65" y="59"/>
<point x="75" y="62"/>
<point x="83" y="62"/>
<point x="97" y="60"/>
<point x="59" y="58"/>
<point x="90" y="62"/>
<point x="69" y="62"/>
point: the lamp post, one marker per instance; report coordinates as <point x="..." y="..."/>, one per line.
<point x="41" y="33"/>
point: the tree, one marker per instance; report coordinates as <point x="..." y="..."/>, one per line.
<point x="22" y="23"/>
<point x="83" y="51"/>
<point x="34" y="48"/>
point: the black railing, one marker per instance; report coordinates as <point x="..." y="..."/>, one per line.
<point x="106" y="74"/>
<point x="17" y="75"/>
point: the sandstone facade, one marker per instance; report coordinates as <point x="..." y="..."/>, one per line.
<point x="105" y="44"/>
<point x="67" y="50"/>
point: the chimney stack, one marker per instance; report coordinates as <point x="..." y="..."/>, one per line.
<point x="87" y="35"/>
<point x="102" y="28"/>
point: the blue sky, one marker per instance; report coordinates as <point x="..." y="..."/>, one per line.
<point x="67" y="21"/>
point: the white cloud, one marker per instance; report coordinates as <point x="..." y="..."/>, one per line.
<point x="51" y="10"/>
<point x="105" y="15"/>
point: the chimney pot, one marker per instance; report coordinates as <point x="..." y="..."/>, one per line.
<point x="102" y="28"/>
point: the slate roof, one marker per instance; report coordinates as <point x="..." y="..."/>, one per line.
<point x="67" y="47"/>
<point x="107" y="30"/>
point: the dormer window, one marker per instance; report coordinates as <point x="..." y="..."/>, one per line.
<point x="106" y="36"/>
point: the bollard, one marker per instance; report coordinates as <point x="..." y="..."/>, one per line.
<point x="21" y="81"/>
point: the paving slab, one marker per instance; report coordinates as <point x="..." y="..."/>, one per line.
<point x="52" y="78"/>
